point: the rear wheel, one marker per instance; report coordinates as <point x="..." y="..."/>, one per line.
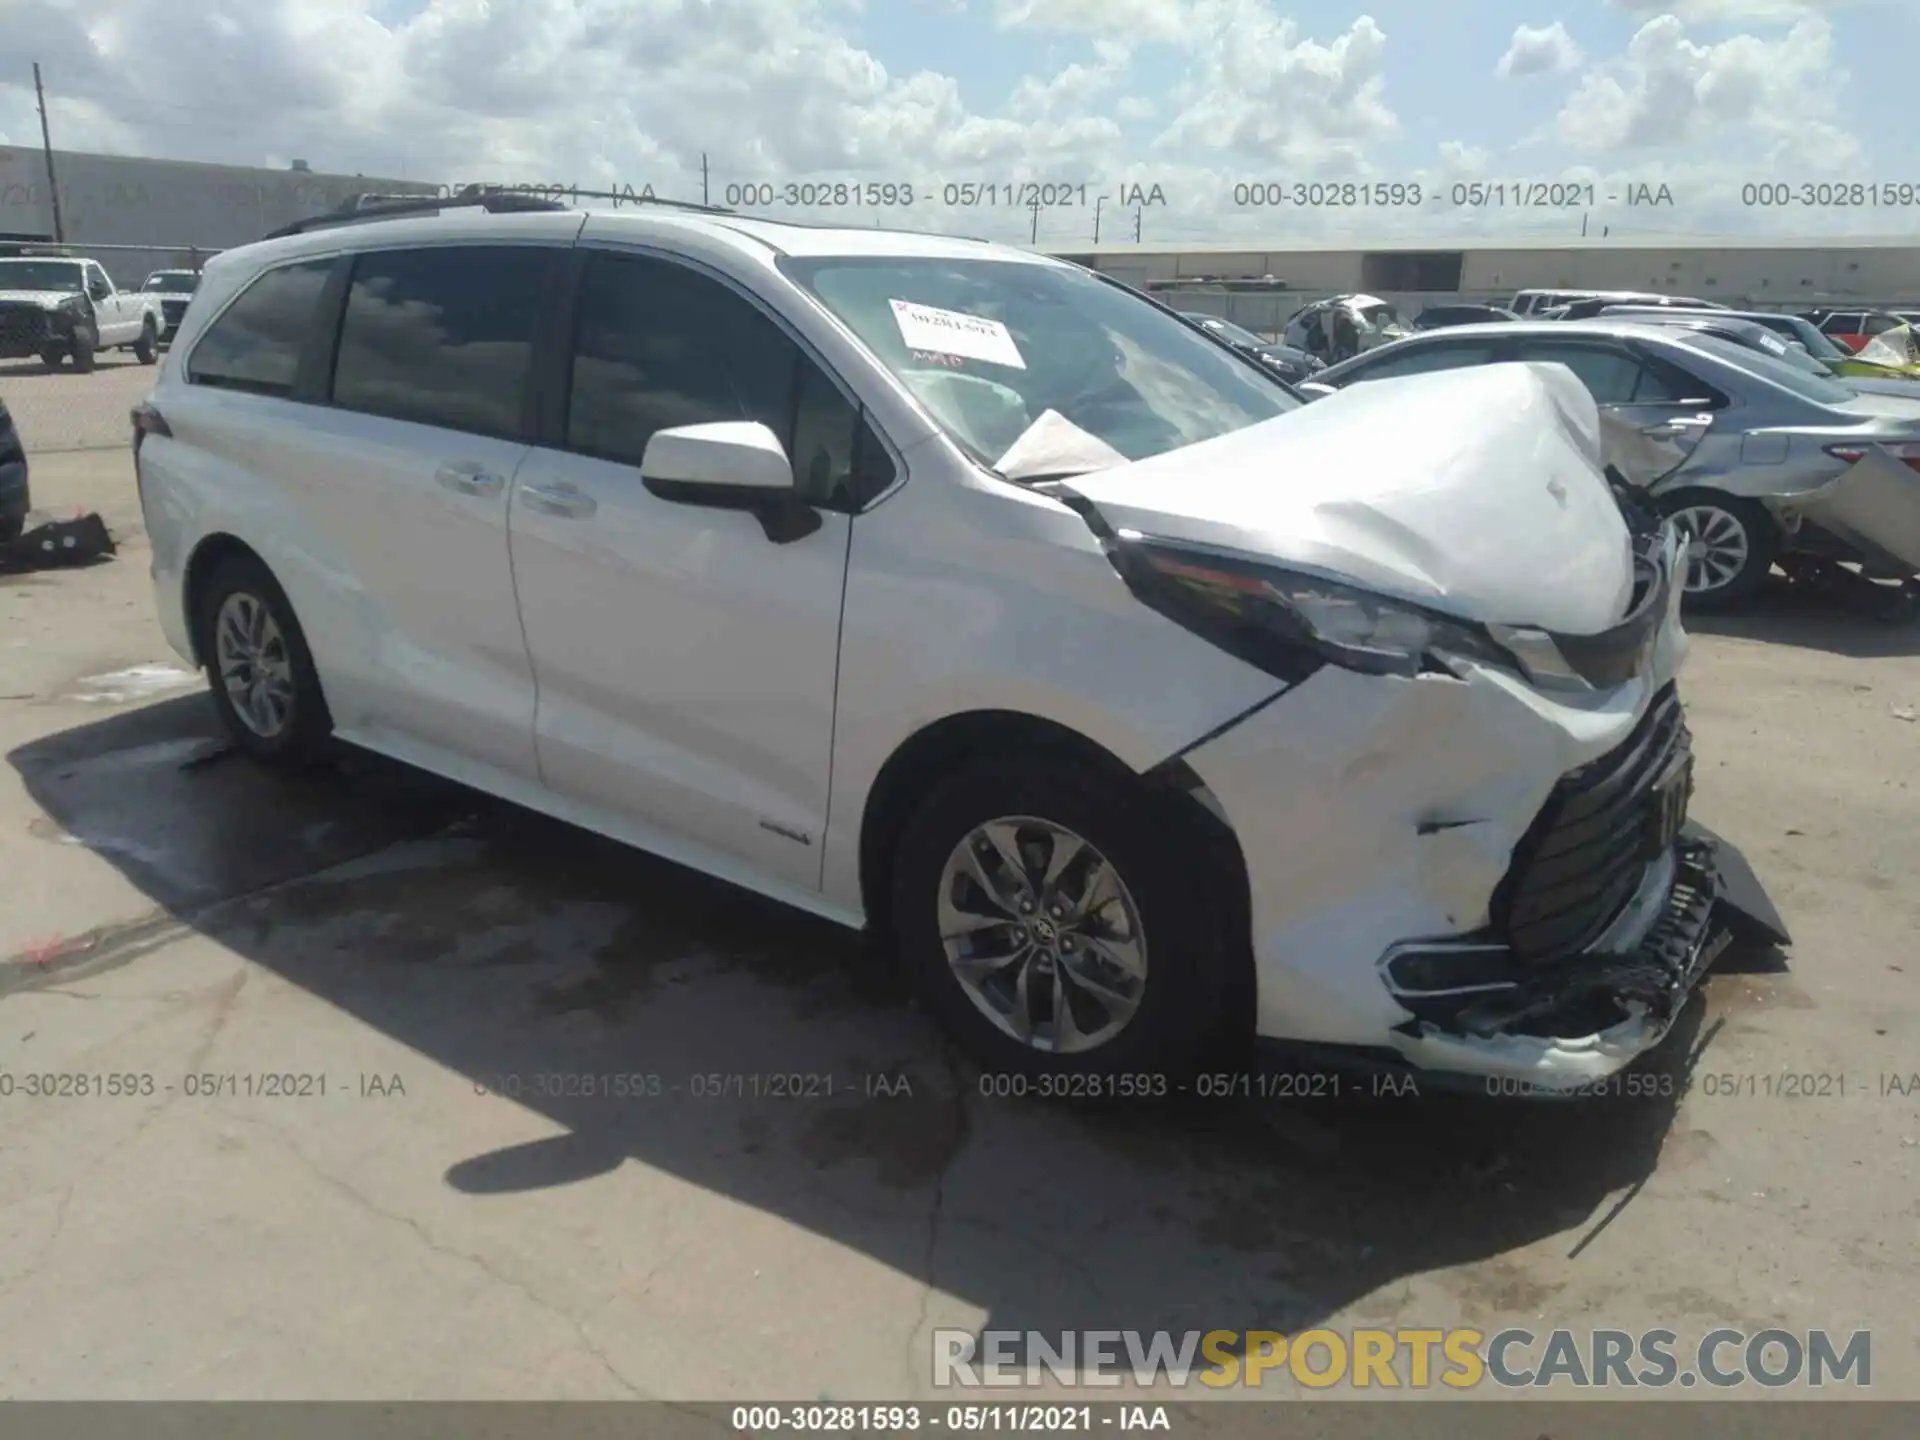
<point x="265" y="687"/>
<point x="147" y="348"/>
<point x="1057" y="925"/>
<point x="1731" y="545"/>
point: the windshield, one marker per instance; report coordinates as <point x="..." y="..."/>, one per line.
<point x="1227" y="330"/>
<point x="174" y="282"/>
<point x="1811" y="387"/>
<point x="990" y="347"/>
<point x="41" y="275"/>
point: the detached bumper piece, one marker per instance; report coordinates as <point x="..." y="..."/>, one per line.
<point x="1482" y="989"/>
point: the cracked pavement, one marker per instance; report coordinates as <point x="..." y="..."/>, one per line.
<point x="539" y="1168"/>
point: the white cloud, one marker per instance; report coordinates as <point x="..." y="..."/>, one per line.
<point x="1538" y="50"/>
<point x="1261" y="90"/>
<point x="1163" y="20"/>
<point x="617" y="92"/>
<point x="1668" y="91"/>
<point x="1732" y="12"/>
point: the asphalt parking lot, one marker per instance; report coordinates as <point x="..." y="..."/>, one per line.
<point x="417" y="949"/>
<point x="57" y="410"/>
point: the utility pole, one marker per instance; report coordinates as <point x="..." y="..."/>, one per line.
<point x="1035" y="207"/>
<point x="1139" y="213"/>
<point x="703" y="179"/>
<point x="1098" y="201"/>
<point x="46" y="149"/>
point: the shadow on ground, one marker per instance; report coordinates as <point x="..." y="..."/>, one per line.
<point x="1808" y="618"/>
<point x="503" y="945"/>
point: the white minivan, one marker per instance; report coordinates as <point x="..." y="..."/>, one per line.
<point x="956" y="592"/>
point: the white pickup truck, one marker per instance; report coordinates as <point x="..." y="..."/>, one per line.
<point x="56" y="306"/>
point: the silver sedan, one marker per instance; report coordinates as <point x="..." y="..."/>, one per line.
<point x="1759" y="462"/>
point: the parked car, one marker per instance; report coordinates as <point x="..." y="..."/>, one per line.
<point x="1588" y="306"/>
<point x="173" y="289"/>
<point x="1290" y="364"/>
<point x="1528" y="302"/>
<point x="1436" y="317"/>
<point x="1538" y="304"/>
<point x="946" y="589"/>
<point x="1854" y="328"/>
<point x="15" y="498"/>
<point x="58" y="306"/>
<point x="1756" y="460"/>
<point x="1342" y="326"/>
<point x="1796" y="329"/>
<point x="1894" y="378"/>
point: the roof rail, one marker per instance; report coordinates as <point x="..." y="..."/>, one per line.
<point x="366" y="208"/>
<point x="627" y="198"/>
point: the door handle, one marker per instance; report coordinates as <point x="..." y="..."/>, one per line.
<point x="562" y="500"/>
<point x="468" y="480"/>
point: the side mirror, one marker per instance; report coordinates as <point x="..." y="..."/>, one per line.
<point x="729" y="465"/>
<point x="1314" y="389"/>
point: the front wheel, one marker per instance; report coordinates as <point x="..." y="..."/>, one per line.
<point x="1731" y="545"/>
<point x="1056" y="925"/>
<point x="265" y="687"/>
<point x="85" y="342"/>
<point x="147" y="348"/>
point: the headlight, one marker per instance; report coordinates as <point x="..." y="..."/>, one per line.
<point x="1273" y="618"/>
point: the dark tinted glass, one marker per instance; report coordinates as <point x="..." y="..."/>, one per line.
<point x="1610" y="374"/>
<point x="442" y="336"/>
<point x="255" y="344"/>
<point x="1424" y="359"/>
<point x="657" y="345"/>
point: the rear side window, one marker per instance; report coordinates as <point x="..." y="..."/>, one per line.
<point x="1611" y="375"/>
<point x="1845" y="323"/>
<point x="443" y="335"/>
<point x="1880" y="324"/>
<point x="255" y="345"/>
<point x="657" y="345"/>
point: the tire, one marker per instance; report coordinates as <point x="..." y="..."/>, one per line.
<point x="1740" y="532"/>
<point x="300" y="739"/>
<point x="85" y="342"/>
<point x="11" y="527"/>
<point x="1179" y="1007"/>
<point x="147" y="348"/>
<point x="52" y="356"/>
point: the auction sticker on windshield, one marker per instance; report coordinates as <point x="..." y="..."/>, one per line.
<point x="950" y="332"/>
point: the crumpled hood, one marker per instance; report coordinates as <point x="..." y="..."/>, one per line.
<point x="1476" y="492"/>
<point x="48" y="298"/>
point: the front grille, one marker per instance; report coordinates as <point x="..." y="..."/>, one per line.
<point x="22" y="325"/>
<point x="1586" y="851"/>
<point x="173" y="310"/>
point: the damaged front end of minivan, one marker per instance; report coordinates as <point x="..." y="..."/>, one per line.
<point x="1468" y="842"/>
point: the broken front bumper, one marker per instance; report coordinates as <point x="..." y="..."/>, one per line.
<point x="1470" y="878"/>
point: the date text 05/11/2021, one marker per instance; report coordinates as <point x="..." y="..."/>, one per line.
<point x="1462" y="194"/>
<point x="950" y="195"/>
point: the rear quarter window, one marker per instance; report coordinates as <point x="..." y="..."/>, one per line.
<point x="256" y="343"/>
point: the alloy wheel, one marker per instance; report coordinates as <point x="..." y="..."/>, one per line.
<point x="1717" y="546"/>
<point x="255" y="666"/>
<point x="1043" y="934"/>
